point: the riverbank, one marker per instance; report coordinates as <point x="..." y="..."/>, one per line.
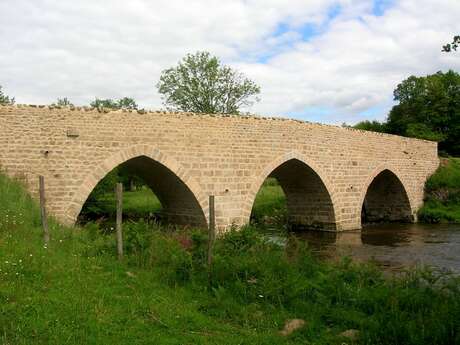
<point x="74" y="291"/>
<point x="442" y="194"/>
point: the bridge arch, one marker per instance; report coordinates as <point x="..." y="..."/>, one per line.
<point x="384" y="197"/>
<point x="309" y="193"/>
<point x="182" y="197"/>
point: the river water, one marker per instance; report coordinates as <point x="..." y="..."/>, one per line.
<point x="392" y="247"/>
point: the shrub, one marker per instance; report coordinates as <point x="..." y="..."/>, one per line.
<point x="442" y="194"/>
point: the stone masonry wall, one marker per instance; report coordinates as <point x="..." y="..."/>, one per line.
<point x="227" y="156"/>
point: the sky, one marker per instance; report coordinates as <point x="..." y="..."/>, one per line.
<point x="329" y="61"/>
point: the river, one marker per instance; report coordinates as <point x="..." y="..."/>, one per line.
<point x="393" y="247"/>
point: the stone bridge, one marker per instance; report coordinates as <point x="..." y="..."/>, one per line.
<point x="331" y="176"/>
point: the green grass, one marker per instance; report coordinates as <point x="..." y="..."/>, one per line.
<point x="136" y="204"/>
<point x="141" y="201"/>
<point x="442" y="194"/>
<point x="74" y="291"/>
<point x="270" y="204"/>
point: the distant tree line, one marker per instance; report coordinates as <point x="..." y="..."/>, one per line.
<point x="122" y="103"/>
<point x="107" y="103"/>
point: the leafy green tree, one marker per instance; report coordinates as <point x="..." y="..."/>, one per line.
<point x="199" y="83"/>
<point x="104" y="103"/>
<point x="122" y="103"/>
<point x="5" y="99"/>
<point x="374" y="126"/>
<point x="127" y="103"/>
<point x="63" y="102"/>
<point x="452" y="46"/>
<point x="429" y="108"/>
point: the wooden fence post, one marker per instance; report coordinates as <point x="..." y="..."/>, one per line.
<point x="211" y="236"/>
<point x="119" y="197"/>
<point x="41" y="187"/>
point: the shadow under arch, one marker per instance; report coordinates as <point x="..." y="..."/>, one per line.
<point x="384" y="198"/>
<point x="182" y="198"/>
<point x="309" y="196"/>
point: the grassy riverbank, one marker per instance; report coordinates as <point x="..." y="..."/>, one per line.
<point x="442" y="194"/>
<point x="75" y="291"/>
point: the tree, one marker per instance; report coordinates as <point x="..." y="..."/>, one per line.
<point x="4" y="99"/>
<point x="127" y="103"/>
<point x="374" y="126"/>
<point x="122" y="103"/>
<point x="199" y="83"/>
<point x="429" y="108"/>
<point x="63" y="102"/>
<point x="452" y="46"/>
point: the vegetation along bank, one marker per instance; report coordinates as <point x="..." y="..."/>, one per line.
<point x="442" y="194"/>
<point x="75" y="291"/>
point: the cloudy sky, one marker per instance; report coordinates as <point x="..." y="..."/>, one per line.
<point x="328" y="61"/>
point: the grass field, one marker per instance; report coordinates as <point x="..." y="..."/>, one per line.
<point x="74" y="291"/>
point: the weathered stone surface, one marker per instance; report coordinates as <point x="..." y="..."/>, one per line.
<point x="325" y="171"/>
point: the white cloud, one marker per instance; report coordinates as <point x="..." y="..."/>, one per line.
<point x="82" y="49"/>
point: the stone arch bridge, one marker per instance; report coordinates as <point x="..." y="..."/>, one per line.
<point x="331" y="176"/>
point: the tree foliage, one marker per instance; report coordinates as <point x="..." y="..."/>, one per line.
<point x="199" y="83"/>
<point x="374" y="126"/>
<point x="122" y="103"/>
<point x="63" y="102"/>
<point x="428" y="108"/>
<point x="452" y="46"/>
<point x="5" y="99"/>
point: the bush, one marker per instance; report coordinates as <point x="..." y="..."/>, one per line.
<point x="442" y="194"/>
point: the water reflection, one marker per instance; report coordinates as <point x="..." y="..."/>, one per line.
<point x="392" y="246"/>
